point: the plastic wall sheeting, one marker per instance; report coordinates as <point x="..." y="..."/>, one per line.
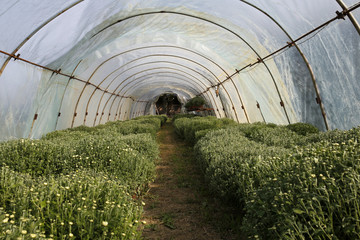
<point x="113" y="59"/>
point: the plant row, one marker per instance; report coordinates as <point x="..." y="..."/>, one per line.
<point x="292" y="182"/>
<point x="79" y="183"/>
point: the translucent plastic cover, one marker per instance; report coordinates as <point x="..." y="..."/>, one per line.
<point x="70" y="63"/>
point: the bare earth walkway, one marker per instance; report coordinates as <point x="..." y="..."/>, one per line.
<point x="175" y="208"/>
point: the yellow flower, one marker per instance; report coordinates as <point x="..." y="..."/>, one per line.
<point x="33" y="235"/>
<point x="105" y="223"/>
<point x="24" y="232"/>
<point x="71" y="235"/>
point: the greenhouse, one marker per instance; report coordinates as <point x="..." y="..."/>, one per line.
<point x="88" y="86"/>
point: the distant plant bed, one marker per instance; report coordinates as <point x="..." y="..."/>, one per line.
<point x="303" y="128"/>
<point x="292" y="182"/>
<point x="195" y="103"/>
<point x="193" y="128"/>
<point x="80" y="183"/>
<point x="182" y="115"/>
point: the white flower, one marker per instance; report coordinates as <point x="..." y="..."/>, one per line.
<point x="24" y="232"/>
<point x="33" y="235"/>
<point x="105" y="223"/>
<point x="71" y="235"/>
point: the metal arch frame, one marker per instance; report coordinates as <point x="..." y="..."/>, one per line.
<point x="181" y="91"/>
<point x="136" y="74"/>
<point x="311" y="72"/>
<point x="88" y="81"/>
<point x="190" y="87"/>
<point x="123" y="82"/>
<point x="34" y="32"/>
<point x="198" y="83"/>
<point x="148" y="56"/>
<point x="147" y="102"/>
<point x="169" y="62"/>
<point x="119" y="117"/>
<point x="216" y="24"/>
<point x="186" y="80"/>
<point x="151" y="98"/>
<point x="192" y="91"/>
<point x="211" y="94"/>
<point x="62" y="98"/>
<point x="160" y="46"/>
<point x="132" y="99"/>
<point x="119" y="107"/>
<point x="350" y="15"/>
<point x="186" y="73"/>
<point x="174" y="63"/>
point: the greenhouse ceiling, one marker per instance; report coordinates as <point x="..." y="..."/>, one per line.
<point x="70" y="63"/>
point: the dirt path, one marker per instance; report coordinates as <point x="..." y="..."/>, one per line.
<point x="175" y="207"/>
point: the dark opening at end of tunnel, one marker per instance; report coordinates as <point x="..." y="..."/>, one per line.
<point x="168" y="104"/>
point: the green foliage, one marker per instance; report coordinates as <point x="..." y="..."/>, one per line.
<point x="275" y="136"/>
<point x="82" y="205"/>
<point x="162" y="118"/>
<point x="303" y="129"/>
<point x="192" y="129"/>
<point x="78" y="182"/>
<point x="133" y="126"/>
<point x="230" y="161"/>
<point x="183" y="115"/>
<point x="195" y="102"/>
<point x="289" y="186"/>
<point x="312" y="195"/>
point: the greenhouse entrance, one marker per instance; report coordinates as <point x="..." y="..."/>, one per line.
<point x="168" y="104"/>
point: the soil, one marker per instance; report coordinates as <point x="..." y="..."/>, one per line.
<point x="177" y="207"/>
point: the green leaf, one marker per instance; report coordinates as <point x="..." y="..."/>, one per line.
<point x="298" y="211"/>
<point x="42" y="204"/>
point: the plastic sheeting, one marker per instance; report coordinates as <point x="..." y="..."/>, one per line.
<point x="118" y="57"/>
